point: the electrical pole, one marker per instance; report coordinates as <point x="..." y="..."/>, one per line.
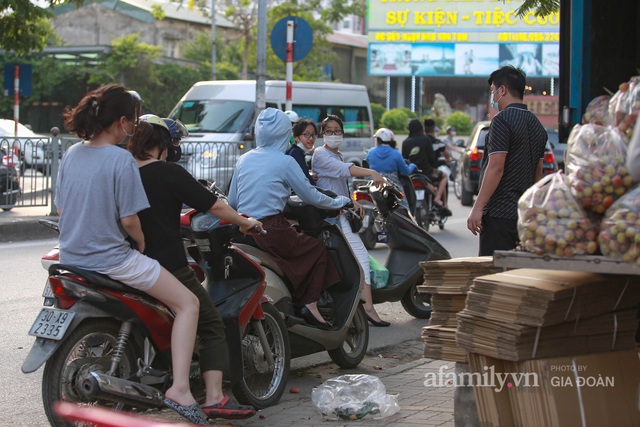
<point x="213" y="39"/>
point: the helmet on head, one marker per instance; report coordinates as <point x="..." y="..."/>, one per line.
<point x="154" y="120"/>
<point x="293" y="116"/>
<point x="385" y="135"/>
<point x="451" y="128"/>
<point x="176" y="129"/>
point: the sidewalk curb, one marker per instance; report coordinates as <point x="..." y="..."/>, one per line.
<point x="20" y="229"/>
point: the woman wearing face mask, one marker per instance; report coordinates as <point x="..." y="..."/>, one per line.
<point x="260" y="187"/>
<point x="99" y="194"/>
<point x="304" y="136"/>
<point x="333" y="174"/>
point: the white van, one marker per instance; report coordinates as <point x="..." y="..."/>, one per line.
<point x="220" y="116"/>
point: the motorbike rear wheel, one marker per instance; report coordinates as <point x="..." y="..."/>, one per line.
<point x="415" y="303"/>
<point x="353" y="349"/>
<point x="422" y="215"/>
<point x="262" y="385"/>
<point x="87" y="349"/>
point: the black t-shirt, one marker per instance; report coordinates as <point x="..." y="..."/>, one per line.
<point x="517" y="132"/>
<point x="168" y="186"/>
<point x="419" y="151"/>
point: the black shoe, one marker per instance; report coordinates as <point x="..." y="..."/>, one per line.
<point x="311" y="320"/>
<point x="381" y="323"/>
<point x="445" y="211"/>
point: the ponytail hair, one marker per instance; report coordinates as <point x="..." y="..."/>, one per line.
<point x="100" y="108"/>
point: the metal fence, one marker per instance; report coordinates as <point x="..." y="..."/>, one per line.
<point x="29" y="167"/>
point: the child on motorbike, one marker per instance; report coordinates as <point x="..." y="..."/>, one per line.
<point x="332" y="175"/>
<point x="260" y="187"/>
<point x="168" y="186"/>
<point x="98" y="195"/>
<point x="304" y="137"/>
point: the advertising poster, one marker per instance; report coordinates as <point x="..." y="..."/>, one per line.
<point x="432" y="59"/>
<point x="390" y="60"/>
<point x="476" y="59"/>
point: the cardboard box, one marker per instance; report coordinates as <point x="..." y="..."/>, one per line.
<point x="589" y="390"/>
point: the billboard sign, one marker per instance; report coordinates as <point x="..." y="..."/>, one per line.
<point x="459" y="38"/>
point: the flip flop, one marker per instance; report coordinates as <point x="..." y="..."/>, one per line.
<point x="191" y="412"/>
<point x="228" y="409"/>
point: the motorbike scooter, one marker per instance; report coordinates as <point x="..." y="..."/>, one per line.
<point x="340" y="304"/>
<point x="106" y="343"/>
<point x="409" y="244"/>
<point x="426" y="212"/>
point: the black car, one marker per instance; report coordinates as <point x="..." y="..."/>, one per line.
<point x="559" y="148"/>
<point x="470" y="162"/>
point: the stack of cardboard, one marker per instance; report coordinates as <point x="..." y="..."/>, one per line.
<point x="588" y="390"/>
<point x="531" y="314"/>
<point x="553" y="348"/>
<point x="447" y="282"/>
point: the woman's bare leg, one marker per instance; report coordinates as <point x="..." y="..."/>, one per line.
<point x="185" y="305"/>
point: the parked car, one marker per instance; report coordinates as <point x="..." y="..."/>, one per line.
<point x="34" y="148"/>
<point x="559" y="148"/>
<point x="469" y="165"/>
<point x="9" y="183"/>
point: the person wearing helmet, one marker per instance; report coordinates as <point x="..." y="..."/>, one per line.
<point x="168" y="186"/>
<point x="177" y="131"/>
<point x="388" y="161"/>
<point x="333" y="173"/>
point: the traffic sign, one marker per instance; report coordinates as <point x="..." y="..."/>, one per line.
<point x="302" y="38"/>
<point x="25" y="79"/>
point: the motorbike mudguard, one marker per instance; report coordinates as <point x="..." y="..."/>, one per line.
<point x="43" y="348"/>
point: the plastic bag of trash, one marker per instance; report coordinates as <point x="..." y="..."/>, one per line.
<point x="352" y="397"/>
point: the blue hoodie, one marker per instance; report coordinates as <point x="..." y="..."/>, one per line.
<point x="385" y="158"/>
<point x="264" y="177"/>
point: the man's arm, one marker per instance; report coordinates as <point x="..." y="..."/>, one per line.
<point x="539" y="170"/>
<point x="490" y="181"/>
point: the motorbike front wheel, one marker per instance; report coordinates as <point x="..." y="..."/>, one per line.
<point x="87" y="349"/>
<point x="262" y="383"/>
<point x="369" y="236"/>
<point x="353" y="349"/>
<point x="415" y="303"/>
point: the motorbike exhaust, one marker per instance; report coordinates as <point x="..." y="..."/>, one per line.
<point x="105" y="387"/>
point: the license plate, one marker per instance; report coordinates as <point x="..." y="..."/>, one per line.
<point x="47" y="292"/>
<point x="419" y="194"/>
<point x="51" y="323"/>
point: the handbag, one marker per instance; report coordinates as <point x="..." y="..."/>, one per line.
<point x="354" y="219"/>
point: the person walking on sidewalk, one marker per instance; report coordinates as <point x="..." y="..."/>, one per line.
<point x="512" y="163"/>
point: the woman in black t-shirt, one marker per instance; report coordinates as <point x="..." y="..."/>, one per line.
<point x="168" y="187"/>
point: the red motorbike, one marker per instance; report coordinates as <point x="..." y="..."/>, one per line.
<point x="105" y="343"/>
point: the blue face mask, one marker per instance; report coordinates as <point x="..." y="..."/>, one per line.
<point x="494" y="103"/>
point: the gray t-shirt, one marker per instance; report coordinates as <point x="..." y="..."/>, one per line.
<point x="333" y="172"/>
<point x="96" y="187"/>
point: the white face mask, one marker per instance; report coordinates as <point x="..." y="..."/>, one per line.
<point x="453" y="133"/>
<point x="333" y="141"/>
<point x="302" y="146"/>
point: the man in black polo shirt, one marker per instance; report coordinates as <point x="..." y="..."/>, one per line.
<point x="512" y="163"/>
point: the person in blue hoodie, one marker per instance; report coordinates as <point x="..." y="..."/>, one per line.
<point x="260" y="187"/>
<point x="388" y="161"/>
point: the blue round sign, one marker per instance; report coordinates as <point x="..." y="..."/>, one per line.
<point x="302" y="38"/>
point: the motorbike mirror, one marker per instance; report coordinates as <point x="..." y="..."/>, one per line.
<point x="247" y="137"/>
<point x="460" y="143"/>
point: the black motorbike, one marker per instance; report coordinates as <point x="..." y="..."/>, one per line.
<point x="409" y="244"/>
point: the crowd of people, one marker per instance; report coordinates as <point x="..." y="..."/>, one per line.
<point x="121" y="217"/>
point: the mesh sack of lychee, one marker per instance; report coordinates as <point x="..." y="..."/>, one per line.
<point x="551" y="221"/>
<point x="597" y="112"/>
<point x="596" y="166"/>
<point x="624" y="106"/>
<point x="620" y="228"/>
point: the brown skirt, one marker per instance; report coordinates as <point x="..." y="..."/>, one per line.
<point x="303" y="259"/>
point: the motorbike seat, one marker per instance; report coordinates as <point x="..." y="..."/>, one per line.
<point x="264" y="257"/>
<point x="98" y="279"/>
